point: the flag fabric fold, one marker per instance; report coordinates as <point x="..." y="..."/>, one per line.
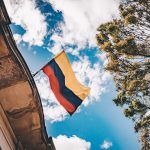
<point x="67" y="89"/>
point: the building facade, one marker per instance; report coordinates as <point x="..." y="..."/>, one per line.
<point x="22" y="124"/>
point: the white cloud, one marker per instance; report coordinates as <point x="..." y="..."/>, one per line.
<point x="26" y="14"/>
<point x="62" y="142"/>
<point x="102" y="56"/>
<point x="17" y="38"/>
<point x="93" y="76"/>
<point x="81" y="19"/>
<point x="106" y="145"/>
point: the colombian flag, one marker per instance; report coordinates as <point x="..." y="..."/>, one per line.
<point x="68" y="90"/>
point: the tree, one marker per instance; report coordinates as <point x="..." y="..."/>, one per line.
<point x="126" y="42"/>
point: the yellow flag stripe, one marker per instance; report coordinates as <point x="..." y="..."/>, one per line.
<point x="71" y="81"/>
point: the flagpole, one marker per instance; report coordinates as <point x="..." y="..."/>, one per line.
<point x="33" y="75"/>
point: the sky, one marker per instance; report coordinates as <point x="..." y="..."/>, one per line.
<point x="41" y="29"/>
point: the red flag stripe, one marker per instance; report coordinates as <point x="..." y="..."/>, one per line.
<point x="56" y="89"/>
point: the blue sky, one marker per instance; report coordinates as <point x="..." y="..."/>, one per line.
<point x="42" y="29"/>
